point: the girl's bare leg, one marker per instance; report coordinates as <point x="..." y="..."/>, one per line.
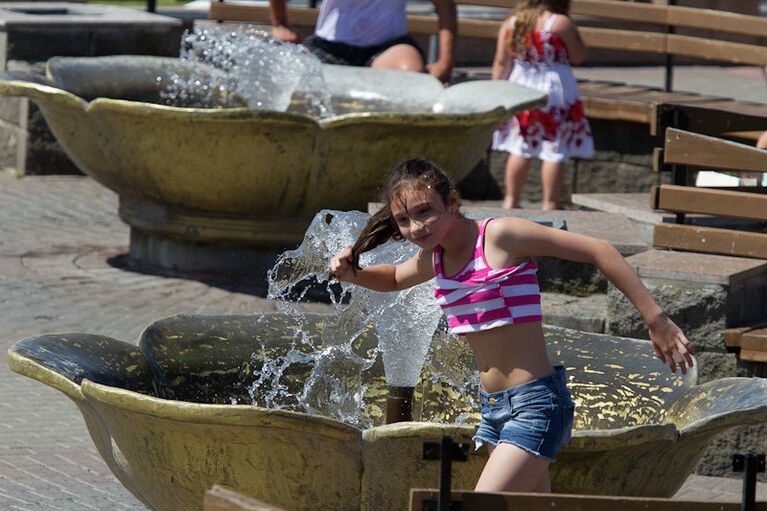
<point x="762" y="142"/>
<point x="400" y="56"/>
<point x="553" y="181"/>
<point x="516" y="173"/>
<point x="510" y="468"/>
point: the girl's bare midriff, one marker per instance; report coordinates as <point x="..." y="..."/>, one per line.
<point x="510" y="355"/>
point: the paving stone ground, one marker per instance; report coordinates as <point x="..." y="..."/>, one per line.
<point x="57" y="236"/>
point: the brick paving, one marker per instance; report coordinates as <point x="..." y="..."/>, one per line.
<point x="60" y="247"/>
<point x="57" y="236"/>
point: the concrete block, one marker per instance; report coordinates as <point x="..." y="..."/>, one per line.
<point x="586" y="314"/>
<point x="698" y="309"/>
<point x="702" y="293"/>
<point x="713" y="366"/>
<point x="32" y="32"/>
<point x="717" y="460"/>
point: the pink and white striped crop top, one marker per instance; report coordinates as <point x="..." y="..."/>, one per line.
<point x="479" y="297"/>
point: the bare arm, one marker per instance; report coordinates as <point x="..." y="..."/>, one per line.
<point x="514" y="237"/>
<point x="568" y="32"/>
<point x="503" y="61"/>
<point x="448" y="28"/>
<point x="384" y="277"/>
<point x="281" y="29"/>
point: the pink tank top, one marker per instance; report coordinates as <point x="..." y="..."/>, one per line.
<point x="479" y="297"/>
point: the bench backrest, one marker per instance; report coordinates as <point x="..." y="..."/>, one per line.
<point x="421" y="500"/>
<point x="693" y="151"/>
<point x="654" y="35"/>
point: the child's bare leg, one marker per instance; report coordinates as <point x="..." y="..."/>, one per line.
<point x="544" y="484"/>
<point x="400" y="56"/>
<point x="553" y="181"/>
<point x="510" y="468"/>
<point x="762" y="142"/>
<point x="516" y="173"/>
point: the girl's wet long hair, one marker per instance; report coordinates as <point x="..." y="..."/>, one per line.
<point x="527" y="13"/>
<point x="413" y="174"/>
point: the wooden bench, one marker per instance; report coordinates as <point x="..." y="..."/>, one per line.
<point x="655" y="32"/>
<point x="750" y="344"/>
<point x="693" y="151"/>
<point x="685" y="152"/>
<point x="423" y="500"/>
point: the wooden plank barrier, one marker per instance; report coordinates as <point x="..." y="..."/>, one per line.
<point x="705" y="152"/>
<point x="474" y="501"/>
<point x="638" y="104"/>
<point x="595" y="37"/>
<point x="733" y="337"/>
<point x="706" y="201"/>
<point x="221" y="498"/>
<point x="696" y="151"/>
<point x="710" y="240"/>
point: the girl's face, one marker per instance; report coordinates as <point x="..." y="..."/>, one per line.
<point x="421" y="216"/>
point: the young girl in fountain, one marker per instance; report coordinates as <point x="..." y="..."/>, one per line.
<point x="487" y="286"/>
<point x="535" y="48"/>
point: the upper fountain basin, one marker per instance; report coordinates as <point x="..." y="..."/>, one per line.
<point x="104" y="112"/>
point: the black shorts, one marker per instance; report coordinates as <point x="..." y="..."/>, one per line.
<point x="331" y="52"/>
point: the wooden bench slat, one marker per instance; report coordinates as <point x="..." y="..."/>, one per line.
<point x="301" y="16"/>
<point x="688" y="17"/>
<point x="724" y="21"/>
<point x="475" y="501"/>
<point x="687" y="199"/>
<point x="596" y="85"/>
<point x="703" y="151"/>
<point x="713" y="49"/>
<point x="753" y="346"/>
<point x="631" y="40"/>
<point x="753" y="355"/>
<point x="612" y="110"/>
<point x="733" y="337"/>
<point x="716" y="118"/>
<point x="710" y="240"/>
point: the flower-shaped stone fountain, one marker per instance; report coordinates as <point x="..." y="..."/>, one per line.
<point x="160" y="414"/>
<point x="195" y="184"/>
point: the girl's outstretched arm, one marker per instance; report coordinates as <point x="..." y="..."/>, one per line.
<point x="513" y="238"/>
<point x="384" y="277"/>
<point x="502" y="63"/>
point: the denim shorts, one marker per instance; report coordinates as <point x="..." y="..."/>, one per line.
<point x="536" y="416"/>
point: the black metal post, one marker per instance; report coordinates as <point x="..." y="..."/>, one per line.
<point x="750" y="464"/>
<point x="445" y="451"/>
<point x="151" y="5"/>
<point x="678" y="172"/>
<point x="399" y="404"/>
<point x="669" y="85"/>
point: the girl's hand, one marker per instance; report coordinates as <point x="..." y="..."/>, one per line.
<point x="670" y="344"/>
<point x="286" y="33"/>
<point x="341" y="267"/>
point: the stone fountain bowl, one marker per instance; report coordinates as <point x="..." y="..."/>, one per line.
<point x="160" y="416"/>
<point x="256" y="176"/>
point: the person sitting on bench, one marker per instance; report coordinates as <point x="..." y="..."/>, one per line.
<point x="371" y="33"/>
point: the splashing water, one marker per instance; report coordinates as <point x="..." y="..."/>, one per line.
<point x="404" y="322"/>
<point x="246" y="67"/>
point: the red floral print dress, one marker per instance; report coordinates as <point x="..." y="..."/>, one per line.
<point x="560" y="130"/>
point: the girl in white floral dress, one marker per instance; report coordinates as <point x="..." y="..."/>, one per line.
<point x="535" y="48"/>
